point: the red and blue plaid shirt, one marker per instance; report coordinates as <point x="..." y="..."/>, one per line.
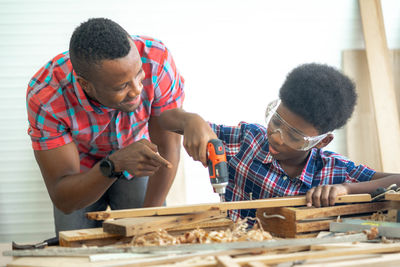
<point x="252" y="169"/>
<point x="59" y="112"/>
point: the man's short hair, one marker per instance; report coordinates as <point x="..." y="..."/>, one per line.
<point x="320" y="94"/>
<point x="95" y="40"/>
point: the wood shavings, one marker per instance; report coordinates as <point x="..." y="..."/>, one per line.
<point x="379" y="216"/>
<point x="371" y="233"/>
<point x="239" y="232"/>
<point x="384" y="240"/>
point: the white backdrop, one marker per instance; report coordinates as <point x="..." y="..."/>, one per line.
<point x="233" y="54"/>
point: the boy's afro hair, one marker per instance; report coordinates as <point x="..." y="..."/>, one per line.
<point x="320" y="94"/>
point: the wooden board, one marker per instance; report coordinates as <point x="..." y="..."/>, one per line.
<point x="393" y="196"/>
<point x="253" y="204"/>
<point x="361" y="128"/>
<point x="296" y="222"/>
<point x="298" y="256"/>
<point x="382" y="84"/>
<point x="143" y="225"/>
<point x="89" y="237"/>
<point x="97" y="237"/>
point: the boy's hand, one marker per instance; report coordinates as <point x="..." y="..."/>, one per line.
<point x="325" y="195"/>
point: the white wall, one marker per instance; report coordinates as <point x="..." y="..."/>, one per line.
<point x="236" y="52"/>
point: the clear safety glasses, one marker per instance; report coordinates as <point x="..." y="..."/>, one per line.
<point x="288" y="134"/>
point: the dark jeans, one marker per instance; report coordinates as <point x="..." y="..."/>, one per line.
<point x="123" y="194"/>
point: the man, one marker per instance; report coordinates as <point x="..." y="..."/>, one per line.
<point x="92" y="112"/>
<point x="286" y="157"/>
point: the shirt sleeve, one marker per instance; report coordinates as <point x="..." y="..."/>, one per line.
<point x="168" y="88"/>
<point x="45" y="130"/>
<point x="358" y="173"/>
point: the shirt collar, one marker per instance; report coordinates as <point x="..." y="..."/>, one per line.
<point x="309" y="169"/>
<point x="88" y="104"/>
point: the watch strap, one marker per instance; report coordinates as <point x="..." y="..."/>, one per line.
<point x="113" y="173"/>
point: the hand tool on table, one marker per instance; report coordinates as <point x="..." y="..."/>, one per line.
<point x="217" y="166"/>
<point x="379" y="193"/>
<point x="48" y="242"/>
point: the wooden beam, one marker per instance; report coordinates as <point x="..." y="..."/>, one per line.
<point x="143" y="225"/>
<point x="97" y="237"/>
<point x="226" y="261"/>
<point x="253" y="204"/>
<point x="382" y="84"/>
<point x="393" y="196"/>
<point x="89" y="237"/>
<point x="185" y="248"/>
<point x="292" y="222"/>
<point x="275" y="259"/>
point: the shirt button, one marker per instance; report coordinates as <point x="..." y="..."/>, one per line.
<point x="284" y="177"/>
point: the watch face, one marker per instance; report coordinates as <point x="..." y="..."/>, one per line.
<point x="106" y="167"/>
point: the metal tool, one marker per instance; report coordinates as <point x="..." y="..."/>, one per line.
<point x="379" y="193"/>
<point x="217" y="166"/>
<point x="48" y="242"/>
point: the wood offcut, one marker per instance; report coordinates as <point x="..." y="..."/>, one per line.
<point x="223" y="206"/>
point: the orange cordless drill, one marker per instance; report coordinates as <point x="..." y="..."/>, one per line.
<point x="217" y="166"/>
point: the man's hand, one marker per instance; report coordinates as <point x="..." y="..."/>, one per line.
<point x="196" y="134"/>
<point x="325" y="195"/>
<point x="139" y="159"/>
<point x="195" y="130"/>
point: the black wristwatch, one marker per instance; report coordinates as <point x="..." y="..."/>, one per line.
<point x="107" y="169"/>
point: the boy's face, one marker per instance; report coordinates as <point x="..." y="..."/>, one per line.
<point x="288" y="134"/>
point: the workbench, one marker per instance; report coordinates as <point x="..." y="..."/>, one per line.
<point x="326" y="249"/>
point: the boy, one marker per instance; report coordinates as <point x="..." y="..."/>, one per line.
<point x="286" y="158"/>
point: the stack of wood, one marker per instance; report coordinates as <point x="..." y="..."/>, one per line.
<point x="301" y="222"/>
<point x="124" y="226"/>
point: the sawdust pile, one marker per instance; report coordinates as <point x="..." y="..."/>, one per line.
<point x="239" y="232"/>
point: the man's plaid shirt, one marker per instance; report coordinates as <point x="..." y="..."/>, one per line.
<point x="59" y="112"/>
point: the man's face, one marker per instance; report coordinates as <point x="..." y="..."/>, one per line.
<point x="117" y="83"/>
<point x="277" y="147"/>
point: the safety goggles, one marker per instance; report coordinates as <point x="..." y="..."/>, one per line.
<point x="288" y="134"/>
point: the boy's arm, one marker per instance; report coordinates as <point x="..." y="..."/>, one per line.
<point x="195" y="130"/>
<point x="325" y="195"/>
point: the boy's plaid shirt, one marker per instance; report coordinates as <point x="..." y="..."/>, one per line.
<point x="252" y="168"/>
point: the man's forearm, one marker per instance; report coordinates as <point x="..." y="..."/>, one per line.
<point x="70" y="192"/>
<point x="368" y="187"/>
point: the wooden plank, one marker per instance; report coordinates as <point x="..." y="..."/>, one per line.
<point x="319" y="225"/>
<point x="253" y="204"/>
<point x="97" y="237"/>
<point x="214" y="223"/>
<point x="312" y="212"/>
<point x="89" y="237"/>
<point x="382" y="84"/>
<point x="268" y="244"/>
<point x="84" y="234"/>
<point x="393" y="196"/>
<point x="372" y="260"/>
<point x="291" y="222"/>
<point x="143" y="225"/>
<point x="280" y="258"/>
<point x="279" y="226"/>
<point x="226" y="261"/>
<point x="361" y="128"/>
